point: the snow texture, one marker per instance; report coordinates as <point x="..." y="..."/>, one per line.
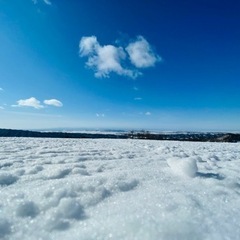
<point x="118" y="189"/>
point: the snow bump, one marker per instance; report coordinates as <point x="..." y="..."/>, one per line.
<point x="27" y="209"/>
<point x="185" y="167"/>
<point x="7" y="179"/>
<point x="5" y="228"/>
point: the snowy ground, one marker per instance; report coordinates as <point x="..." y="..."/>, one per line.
<point x="118" y="189"/>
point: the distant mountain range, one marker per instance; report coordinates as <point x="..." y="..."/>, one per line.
<point x="178" y="136"/>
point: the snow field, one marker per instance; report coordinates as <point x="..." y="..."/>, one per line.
<point x="118" y="189"/>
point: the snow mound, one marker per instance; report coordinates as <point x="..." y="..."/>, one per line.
<point x="5" y="228"/>
<point x="36" y="170"/>
<point x="7" y="179"/>
<point x="70" y="208"/>
<point x="125" y="186"/>
<point x="186" y="167"/>
<point x="27" y="209"/>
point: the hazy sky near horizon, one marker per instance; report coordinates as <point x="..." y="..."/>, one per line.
<point x="160" y="64"/>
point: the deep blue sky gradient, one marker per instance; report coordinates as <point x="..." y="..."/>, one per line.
<point x="195" y="86"/>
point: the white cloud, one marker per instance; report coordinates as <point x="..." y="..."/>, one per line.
<point x="1" y="89"/>
<point x="104" y="59"/>
<point x="53" y="102"/>
<point x="137" y="98"/>
<point x="148" y="114"/>
<point x="122" y="61"/>
<point x="30" y="102"/>
<point x="141" y="53"/>
<point x="1" y="107"/>
<point x="88" y="45"/>
<point x="108" y="59"/>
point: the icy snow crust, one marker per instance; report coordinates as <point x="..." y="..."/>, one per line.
<point x="118" y="189"/>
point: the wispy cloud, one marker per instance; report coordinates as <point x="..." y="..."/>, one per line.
<point x="137" y="98"/>
<point x="109" y="58"/>
<point x="30" y="102"/>
<point x="135" y="88"/>
<point x="1" y="89"/>
<point x="45" y="1"/>
<point x="100" y="114"/>
<point x="141" y="53"/>
<point x="1" y="107"/>
<point x="53" y="102"/>
<point x="148" y="113"/>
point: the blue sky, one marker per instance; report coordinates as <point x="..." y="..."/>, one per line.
<point x="167" y="65"/>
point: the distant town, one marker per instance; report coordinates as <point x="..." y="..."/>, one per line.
<point x="171" y="136"/>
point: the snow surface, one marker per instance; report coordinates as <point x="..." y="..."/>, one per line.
<point x="118" y="189"/>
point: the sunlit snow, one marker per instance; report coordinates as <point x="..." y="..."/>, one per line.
<point x="118" y="189"/>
